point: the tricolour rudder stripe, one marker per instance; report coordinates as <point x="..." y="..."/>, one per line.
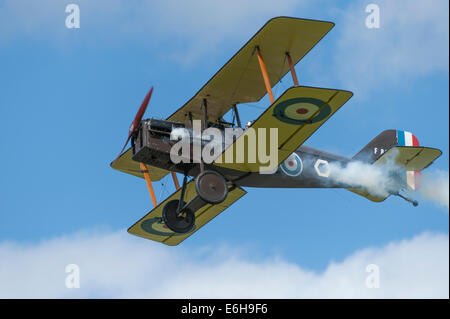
<point x="405" y="138"/>
<point x="401" y="138"/>
<point x="408" y="139"/>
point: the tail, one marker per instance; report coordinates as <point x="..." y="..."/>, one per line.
<point x="385" y="141"/>
<point x="409" y="154"/>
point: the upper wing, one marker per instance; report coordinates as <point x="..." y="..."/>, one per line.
<point x="296" y="115"/>
<point x="152" y="227"/>
<point x="126" y="164"/>
<point x="240" y="81"/>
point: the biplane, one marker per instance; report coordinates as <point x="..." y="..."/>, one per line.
<point x="209" y="188"/>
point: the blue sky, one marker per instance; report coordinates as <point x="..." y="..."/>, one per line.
<point x="68" y="97"/>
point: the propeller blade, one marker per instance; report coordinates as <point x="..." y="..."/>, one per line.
<point x="137" y="119"/>
<point x="140" y="113"/>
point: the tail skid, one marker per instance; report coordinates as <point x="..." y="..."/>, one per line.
<point x="412" y="201"/>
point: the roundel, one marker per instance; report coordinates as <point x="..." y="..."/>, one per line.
<point x="156" y="226"/>
<point x="293" y="165"/>
<point x="302" y="110"/>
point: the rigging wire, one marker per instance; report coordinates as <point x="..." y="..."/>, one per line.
<point x="277" y="86"/>
<point x="253" y="105"/>
<point x="279" y="76"/>
<point x="163" y="188"/>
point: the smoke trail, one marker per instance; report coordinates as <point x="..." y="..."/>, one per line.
<point x="182" y="134"/>
<point x="377" y="180"/>
<point x="389" y="178"/>
<point x="435" y="187"/>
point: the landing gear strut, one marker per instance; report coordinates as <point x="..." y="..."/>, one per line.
<point x="177" y="216"/>
<point x="211" y="188"/>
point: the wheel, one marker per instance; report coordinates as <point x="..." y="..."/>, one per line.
<point x="179" y="223"/>
<point x="211" y="187"/>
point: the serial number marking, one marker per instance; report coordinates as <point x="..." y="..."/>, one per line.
<point x="245" y="308"/>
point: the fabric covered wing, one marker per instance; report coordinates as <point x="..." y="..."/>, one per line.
<point x="126" y="164"/>
<point x="240" y="80"/>
<point x="152" y="227"/>
<point x="296" y="115"/>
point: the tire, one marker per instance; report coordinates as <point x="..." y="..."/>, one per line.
<point x="179" y="223"/>
<point x="211" y="187"/>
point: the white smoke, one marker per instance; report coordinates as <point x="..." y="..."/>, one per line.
<point x="210" y="142"/>
<point x="182" y="134"/>
<point x="435" y="187"/>
<point x="383" y="180"/>
<point x="377" y="180"/>
<point x="229" y="135"/>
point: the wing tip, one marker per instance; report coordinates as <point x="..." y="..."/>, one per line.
<point x="299" y="19"/>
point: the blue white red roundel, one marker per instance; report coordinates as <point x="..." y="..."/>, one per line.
<point x="293" y="165"/>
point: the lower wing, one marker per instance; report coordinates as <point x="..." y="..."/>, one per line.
<point x="151" y="226"/>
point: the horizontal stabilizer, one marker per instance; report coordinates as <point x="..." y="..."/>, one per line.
<point x="412" y="158"/>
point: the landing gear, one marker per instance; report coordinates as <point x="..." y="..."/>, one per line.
<point x="211" y="187"/>
<point x="179" y="222"/>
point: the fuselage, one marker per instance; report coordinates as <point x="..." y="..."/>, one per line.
<point x="307" y="167"/>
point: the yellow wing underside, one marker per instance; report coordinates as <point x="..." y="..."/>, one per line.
<point x="126" y="164"/>
<point x="295" y="115"/>
<point x="152" y="227"/>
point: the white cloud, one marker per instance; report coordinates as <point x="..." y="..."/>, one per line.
<point x="435" y="187"/>
<point x="412" y="41"/>
<point x="118" y="265"/>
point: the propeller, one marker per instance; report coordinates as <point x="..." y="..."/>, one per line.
<point x="137" y="120"/>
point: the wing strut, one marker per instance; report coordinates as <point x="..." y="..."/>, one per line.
<point x="291" y="66"/>
<point x="265" y="75"/>
<point x="149" y="183"/>
<point x="175" y="180"/>
<point x="236" y="113"/>
<point x="204" y="127"/>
